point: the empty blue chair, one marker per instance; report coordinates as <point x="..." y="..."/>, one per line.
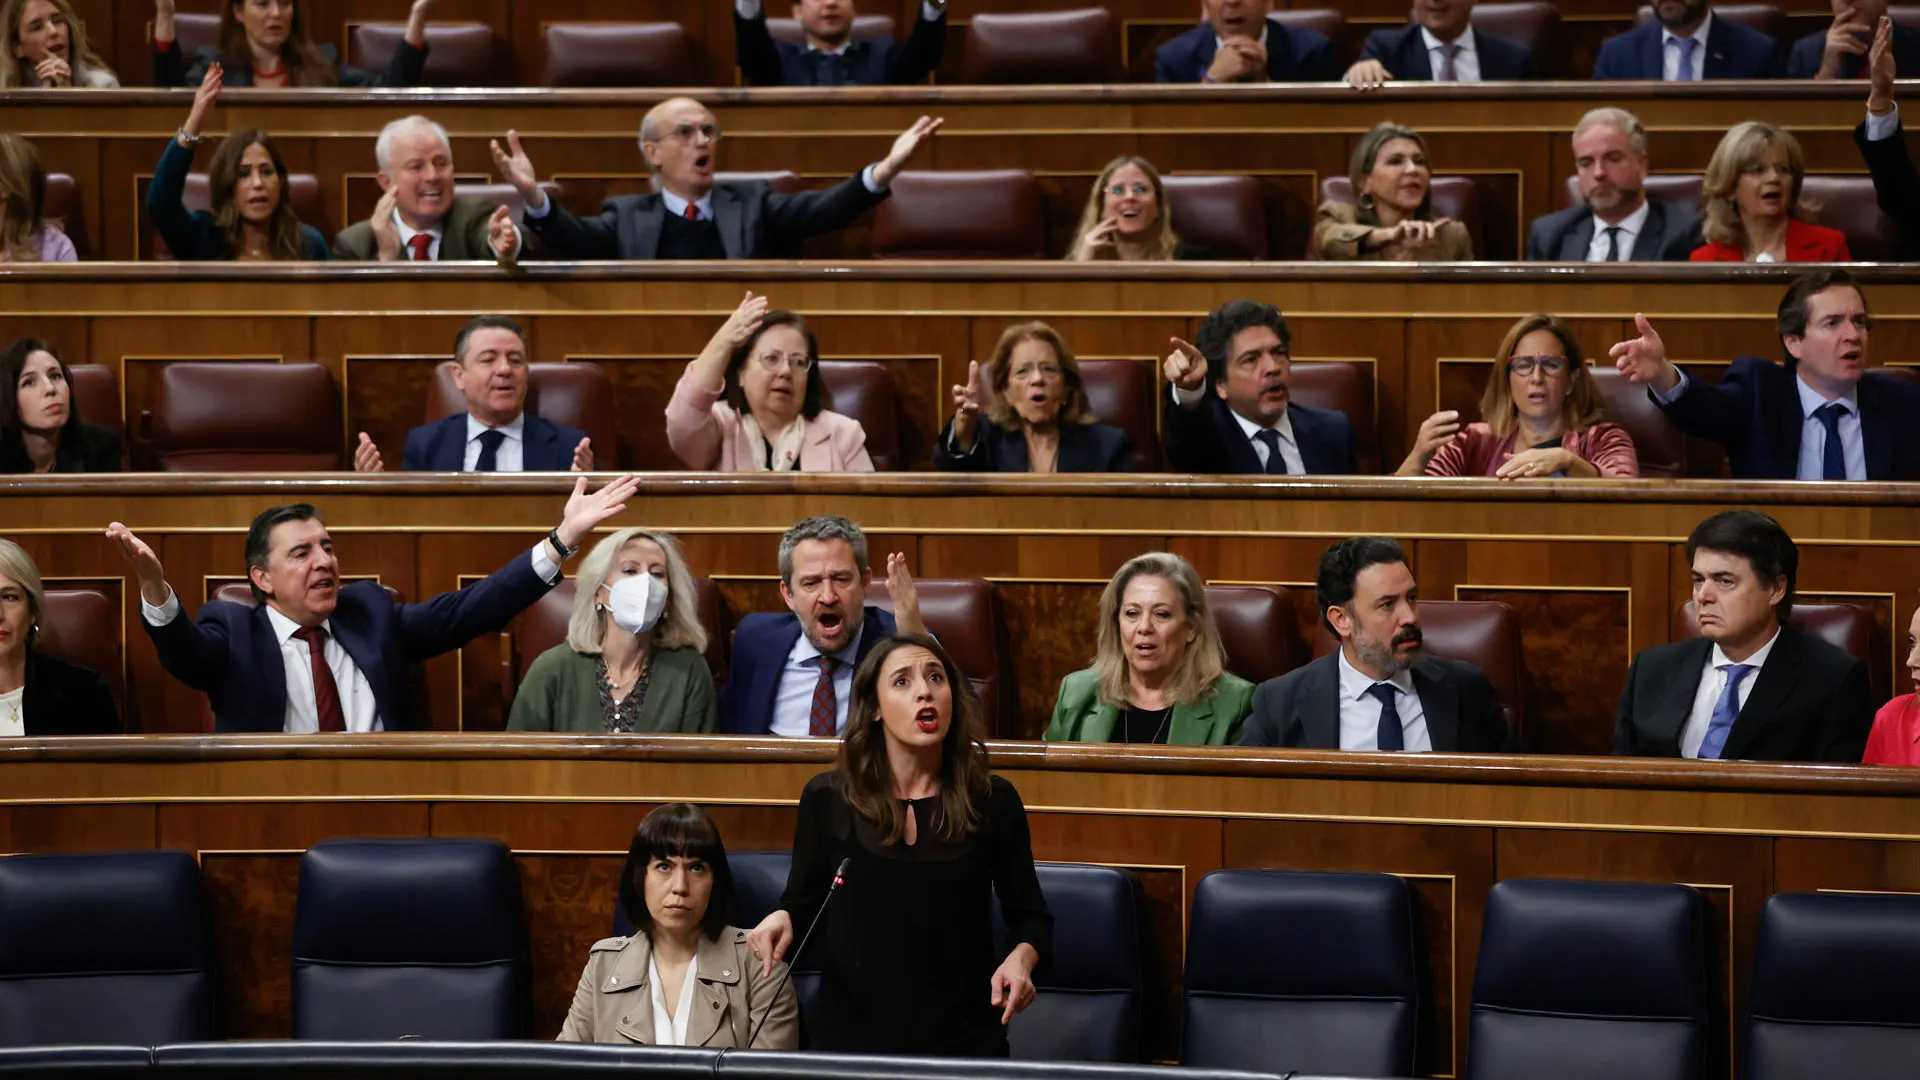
<point x="1836" y="988"/>
<point x="1086" y="1005"/>
<point x="1590" y="979"/>
<point x="397" y="938"/>
<point x="1305" y="972"/>
<point x="105" y="949"/>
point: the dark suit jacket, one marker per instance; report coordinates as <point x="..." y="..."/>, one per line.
<point x="85" y="448"/>
<point x="1302" y="708"/>
<point x="1294" y="54"/>
<point x="1755" y="414"/>
<point x="170" y="68"/>
<point x="760" y="646"/>
<point x="1083" y="448"/>
<point x="1809" y="703"/>
<point x="62" y="699"/>
<point x="1404" y="52"/>
<point x="885" y="62"/>
<point x="1670" y="235"/>
<point x="1206" y="439"/>
<point x="442" y="445"/>
<point x="1733" y="52"/>
<point x="1803" y="60"/>
<point x="463" y="236"/>
<point x="229" y="652"/>
<point x="755" y="222"/>
<point x="1896" y="182"/>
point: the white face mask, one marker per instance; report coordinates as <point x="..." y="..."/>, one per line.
<point x="636" y="602"/>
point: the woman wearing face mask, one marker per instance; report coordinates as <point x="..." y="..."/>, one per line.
<point x="25" y="234"/>
<point x="38" y="694"/>
<point x="47" y="44"/>
<point x="1751" y="209"/>
<point x="751" y="401"/>
<point x="1037" y="418"/>
<point x="252" y="219"/>
<point x="929" y="837"/>
<point x="40" y="426"/>
<point x="632" y="662"/>
<point x="1128" y="218"/>
<point x="264" y="44"/>
<point x="1541" y="416"/>
<point x="685" y="977"/>
<point x="1159" y="672"/>
<point x="1391" y="218"/>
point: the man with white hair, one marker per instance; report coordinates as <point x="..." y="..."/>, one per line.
<point x="419" y="219"/>
<point x="1614" y="220"/>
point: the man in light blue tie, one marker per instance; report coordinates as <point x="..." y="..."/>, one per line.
<point x="1687" y="41"/>
<point x="1752" y="686"/>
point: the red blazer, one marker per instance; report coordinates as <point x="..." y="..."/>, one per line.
<point x="1896" y="733"/>
<point x="1805" y="243"/>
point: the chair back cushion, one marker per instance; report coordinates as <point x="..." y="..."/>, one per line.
<point x="1769" y="19"/>
<point x="1345" y="386"/>
<point x="1836" y="979"/>
<point x="1087" y="1004"/>
<point x="82" y="626"/>
<point x="865" y="28"/>
<point x="246" y="416"/>
<point x="617" y="54"/>
<point x="1845" y="626"/>
<point x="780" y="181"/>
<point x="576" y="394"/>
<point x="62" y="206"/>
<point x="1532" y="23"/>
<point x="96" y="394"/>
<point x="984" y="214"/>
<point x="1849" y="204"/>
<point x="194" y="31"/>
<point x="458" y="54"/>
<point x="1328" y="22"/>
<point x="1256" y="626"/>
<point x="1078" y="45"/>
<point x="1660" y="447"/>
<point x="1486" y="634"/>
<point x="1220" y="213"/>
<point x="1120" y="392"/>
<point x="964" y="615"/>
<point x="863" y="390"/>
<point x="505" y="195"/>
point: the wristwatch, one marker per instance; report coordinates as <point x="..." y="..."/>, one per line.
<point x="553" y="537"/>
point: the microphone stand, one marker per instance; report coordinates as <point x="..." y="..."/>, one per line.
<point x="839" y="879"/>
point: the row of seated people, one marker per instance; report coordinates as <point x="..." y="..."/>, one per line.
<point x="826" y="43"/>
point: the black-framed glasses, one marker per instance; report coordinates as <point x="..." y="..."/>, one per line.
<point x="1552" y="366"/>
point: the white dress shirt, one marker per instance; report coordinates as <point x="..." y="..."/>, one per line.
<point x="1630" y="228"/>
<point x="1360" y="710"/>
<point x="671" y="1029"/>
<point x="511" y="457"/>
<point x="1289" y="446"/>
<point x="1670" y="51"/>
<point x="793" y="704"/>
<point x="1466" y="62"/>
<point x="13" y="712"/>
<point x="1813" y="433"/>
<point x="1713" y="683"/>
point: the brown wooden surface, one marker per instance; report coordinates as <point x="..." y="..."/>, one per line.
<point x="1451" y="825"/>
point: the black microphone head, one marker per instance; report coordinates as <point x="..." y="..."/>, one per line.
<point x="845" y="865"/>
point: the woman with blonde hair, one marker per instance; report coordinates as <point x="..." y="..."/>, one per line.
<point x="633" y="660"/>
<point x="1038" y="419"/>
<point x="1391" y="218"/>
<point x="25" y="234"/>
<point x="48" y="47"/>
<point x="1128" y="218"/>
<point x="1159" y="670"/>
<point x="38" y="694"/>
<point x="1753" y="210"/>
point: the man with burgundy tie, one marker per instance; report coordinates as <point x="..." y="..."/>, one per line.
<point x="1752" y="686"/>
<point x="418" y="217"/>
<point x="1378" y="690"/>
<point x="792" y="674"/>
<point x="314" y="655"/>
<point x="1440" y="45"/>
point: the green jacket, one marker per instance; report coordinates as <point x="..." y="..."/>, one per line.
<point x="1079" y="715"/>
<point x="561" y="693"/>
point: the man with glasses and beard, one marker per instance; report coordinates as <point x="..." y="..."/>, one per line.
<point x="1378" y="691"/>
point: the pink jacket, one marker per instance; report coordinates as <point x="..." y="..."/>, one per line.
<point x="706" y="433"/>
<point x="1477" y="452"/>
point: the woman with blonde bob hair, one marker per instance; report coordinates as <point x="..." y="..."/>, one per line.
<point x="47" y="46"/>
<point x="1159" y="671"/>
<point x="1128" y="218"/>
<point x="1036" y="407"/>
<point x="1753" y="210"/>
<point x="632" y="662"/>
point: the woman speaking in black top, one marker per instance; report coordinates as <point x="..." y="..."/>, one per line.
<point x="907" y="950"/>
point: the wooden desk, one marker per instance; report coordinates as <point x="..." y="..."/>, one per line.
<point x="1450" y="825"/>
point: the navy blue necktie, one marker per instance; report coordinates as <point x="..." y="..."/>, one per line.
<point x="1390" y="737"/>
<point x="489" y="451"/>
<point x="1833" y="461"/>
<point x="1276" y="464"/>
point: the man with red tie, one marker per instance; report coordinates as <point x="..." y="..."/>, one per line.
<point x="419" y="218"/>
<point x="314" y="655"/>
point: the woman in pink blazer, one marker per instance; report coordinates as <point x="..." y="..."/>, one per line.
<point x="750" y="402"/>
<point x="1541" y="415"/>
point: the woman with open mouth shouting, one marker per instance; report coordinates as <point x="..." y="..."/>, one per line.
<point x="919" y="837"/>
<point x="47" y="46"/>
<point x="1752" y="210"/>
<point x="1038" y="418"/>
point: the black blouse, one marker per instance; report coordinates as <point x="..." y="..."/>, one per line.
<point x="907" y="948"/>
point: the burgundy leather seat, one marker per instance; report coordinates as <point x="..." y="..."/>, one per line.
<point x="1456" y="197"/>
<point x="964" y="615"/>
<point x="985" y="214"/>
<point x="194" y="31"/>
<point x="1531" y="23"/>
<point x="83" y="627"/>
<point x="1330" y="22"/>
<point x="1484" y="633"/>
<point x="1849" y="627"/>
<point x="1660" y="447"/>
<point x="303" y="194"/>
<point x="505" y="195"/>
<point x="1904" y="14"/>
<point x="1120" y="392"/>
<point x="1679" y="189"/>
<point x="576" y="394"/>
<point x="865" y="28"/>
<point x="863" y="390"/>
<point x="96" y="394"/>
<point x="244" y="416"/>
<point x="458" y="54"/>
<point x="1220" y="213"/>
<point x="1079" y="45"/>
<point x="61" y="205"/>
<point x="1769" y="19"/>
<point x="1848" y="203"/>
<point x="1257" y="628"/>
<point x="544" y="625"/>
<point x="616" y="54"/>
<point x="1345" y="386"/>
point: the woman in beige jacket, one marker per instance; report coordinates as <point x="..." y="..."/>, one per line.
<point x="685" y="977"/>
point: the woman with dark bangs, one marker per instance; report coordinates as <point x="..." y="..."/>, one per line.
<point x="685" y="977"/>
<point x="930" y="836"/>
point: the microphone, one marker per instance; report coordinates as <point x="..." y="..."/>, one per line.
<point x="839" y="879"/>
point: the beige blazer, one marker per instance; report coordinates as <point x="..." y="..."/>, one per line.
<point x="1337" y="233"/>
<point x="614" y="1004"/>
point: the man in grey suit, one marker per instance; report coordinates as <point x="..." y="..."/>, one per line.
<point x="418" y="218"/>
<point x="687" y="215"/>
<point x="1615" y="221"/>
<point x="1378" y="691"/>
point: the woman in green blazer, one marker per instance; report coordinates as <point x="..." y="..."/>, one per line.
<point x="632" y="662"/>
<point x="1159" y="673"/>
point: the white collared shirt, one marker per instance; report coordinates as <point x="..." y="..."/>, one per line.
<point x="1289" y="446"/>
<point x="1813" y="435"/>
<point x="511" y="456"/>
<point x="1360" y="710"/>
<point x="793" y="703"/>
<point x="408" y="232"/>
<point x="1630" y="228"/>
<point x="1713" y="683"/>
<point x="1670" y="51"/>
<point x="671" y="1030"/>
<point x="1466" y="63"/>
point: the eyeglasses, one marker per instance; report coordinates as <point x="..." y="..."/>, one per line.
<point x="1122" y="190"/>
<point x="1552" y="366"/>
<point x="1025" y="372"/>
<point x="774" y="361"/>
<point x="685" y="132"/>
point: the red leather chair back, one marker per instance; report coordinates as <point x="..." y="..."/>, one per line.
<point x="96" y="394"/>
<point x="1769" y="19"/>
<point x="863" y="390"/>
<point x="1120" y="392"/>
<point x="616" y="54"/>
<point x="242" y="416"/>
<point x="1221" y="213"/>
<point x="1257" y="628"/>
<point x="1484" y="633"/>
<point x="988" y="214"/>
<point x="1080" y="45"/>
<point x="458" y="54"/>
<point x="1904" y="372"/>
<point x="575" y="394"/>
<point x="865" y="28"/>
<point x="1531" y="23"/>
<point x="63" y="208"/>
<point x="1456" y="197"/>
<point x="1904" y="14"/>
<point x="83" y="627"/>
<point x="1848" y="627"/>
<point x="783" y="181"/>
<point x="303" y="194"/>
<point x="964" y="615"/>
<point x="505" y="195"/>
<point x="1345" y="386"/>
<point x="1848" y="203"/>
<point x="1330" y="22"/>
<point x="194" y="32"/>
<point x="1660" y="447"/>
<point x="544" y="625"/>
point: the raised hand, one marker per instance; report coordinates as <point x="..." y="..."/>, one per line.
<point x="583" y="456"/>
<point x="744" y="322"/>
<point x="1368" y="75"/>
<point x="503" y="236"/>
<point x="905" y="594"/>
<point x="53" y="71"/>
<point x="203" y="99"/>
<point x="417" y="23"/>
<point x="904" y="147"/>
<point x="366" y="456"/>
<point x="163" y="20"/>
<point x="770" y="940"/>
<point x="1644" y="359"/>
<point x="386" y="229"/>
<point x="1435" y="432"/>
<point x="1186" y="367"/>
<point x="514" y="167"/>
<point x="146" y="565"/>
<point x="1101" y="242"/>
<point x="584" y="511"/>
<point x="1881" y="69"/>
<point x="967" y="400"/>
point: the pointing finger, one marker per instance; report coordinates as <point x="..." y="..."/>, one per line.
<point x="513" y="142"/>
